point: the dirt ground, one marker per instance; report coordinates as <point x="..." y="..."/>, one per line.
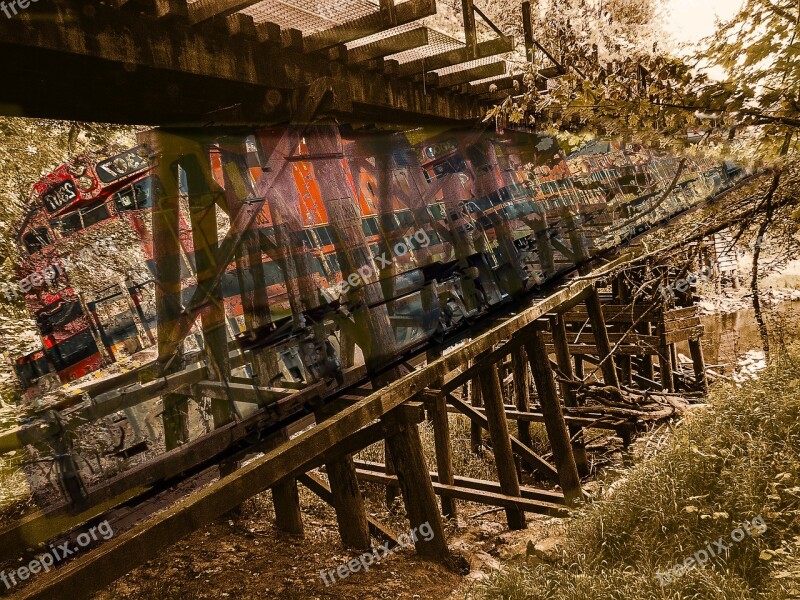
<point x="244" y="556"/>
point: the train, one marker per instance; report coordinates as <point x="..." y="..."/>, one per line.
<point x="430" y="226"/>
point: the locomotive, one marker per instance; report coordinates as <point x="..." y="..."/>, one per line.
<point x="429" y="228"/>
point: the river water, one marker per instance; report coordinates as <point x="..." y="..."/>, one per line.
<point x="728" y="336"/>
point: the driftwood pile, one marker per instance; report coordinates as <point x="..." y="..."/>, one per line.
<point x="629" y="403"/>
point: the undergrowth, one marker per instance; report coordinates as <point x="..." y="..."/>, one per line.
<point x="736" y="459"/>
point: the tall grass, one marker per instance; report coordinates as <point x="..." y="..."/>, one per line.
<point x="725" y="464"/>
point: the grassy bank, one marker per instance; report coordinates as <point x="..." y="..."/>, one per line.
<point x="737" y="459"/>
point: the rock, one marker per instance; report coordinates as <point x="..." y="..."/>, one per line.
<point x="548" y="549"/>
<point x="488" y="530"/>
<point x="480" y="562"/>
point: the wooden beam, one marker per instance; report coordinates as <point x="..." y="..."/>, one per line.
<point x="391" y="44"/>
<point x="553" y="418"/>
<point x="504" y="83"/>
<point x="472" y="483"/>
<point x="405" y="12"/>
<point x="490" y="495"/>
<point x="472" y="74"/>
<point x="456" y="56"/>
<point x="470" y="31"/>
<point x="203" y="10"/>
<point x="497" y="424"/>
<point x="564" y="361"/>
<point x="437" y="409"/>
<point x="419" y="499"/>
<point x="347" y="501"/>
<point x="607" y="366"/>
<point x="317" y="485"/>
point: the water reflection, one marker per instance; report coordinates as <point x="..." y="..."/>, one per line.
<point x="732" y="334"/>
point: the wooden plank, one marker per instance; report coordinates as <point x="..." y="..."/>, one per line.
<point x="681" y="335"/>
<point x="241" y="392"/>
<point x="455" y="78"/>
<point x="317" y="485"/>
<point x="616" y="313"/>
<point x="455" y="57"/>
<point x="470" y="494"/>
<point x="406" y="12"/>
<point x="203" y="10"/>
<point x="99" y="567"/>
<point x="472" y="483"/>
<point x="536" y="461"/>
<point x="503" y="83"/>
<point x="554" y="422"/>
<point x="392" y="44"/>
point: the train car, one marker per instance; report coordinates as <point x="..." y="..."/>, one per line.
<point x="429" y="228"/>
<point x="69" y="205"/>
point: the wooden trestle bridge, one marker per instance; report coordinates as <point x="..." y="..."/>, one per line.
<point x="191" y="67"/>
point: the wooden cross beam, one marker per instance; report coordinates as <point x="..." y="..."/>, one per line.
<point x="456" y="56"/>
<point x="472" y="74"/>
<point x="391" y="44"/>
<point x="406" y="12"/>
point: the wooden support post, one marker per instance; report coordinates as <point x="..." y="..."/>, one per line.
<point x="519" y="365"/>
<point x="595" y="310"/>
<point x="527" y="26"/>
<point x="351" y="512"/>
<point x="553" y="417"/>
<point x="544" y="249"/>
<point x="469" y="26"/>
<point x="414" y="478"/>
<point x="203" y="212"/>
<point x="560" y="341"/>
<point x="255" y="306"/>
<point x="580" y="371"/>
<point x="285" y="496"/>
<point x="676" y="366"/>
<point x="699" y="363"/>
<point x="646" y="360"/>
<point x="444" y="452"/>
<point x="501" y="443"/>
<point x="624" y="295"/>
<point x="167" y="261"/>
<point x="664" y="359"/>
<point x="441" y="438"/>
<point x="475" y="430"/>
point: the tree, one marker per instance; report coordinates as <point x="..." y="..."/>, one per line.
<point x="610" y="82"/>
